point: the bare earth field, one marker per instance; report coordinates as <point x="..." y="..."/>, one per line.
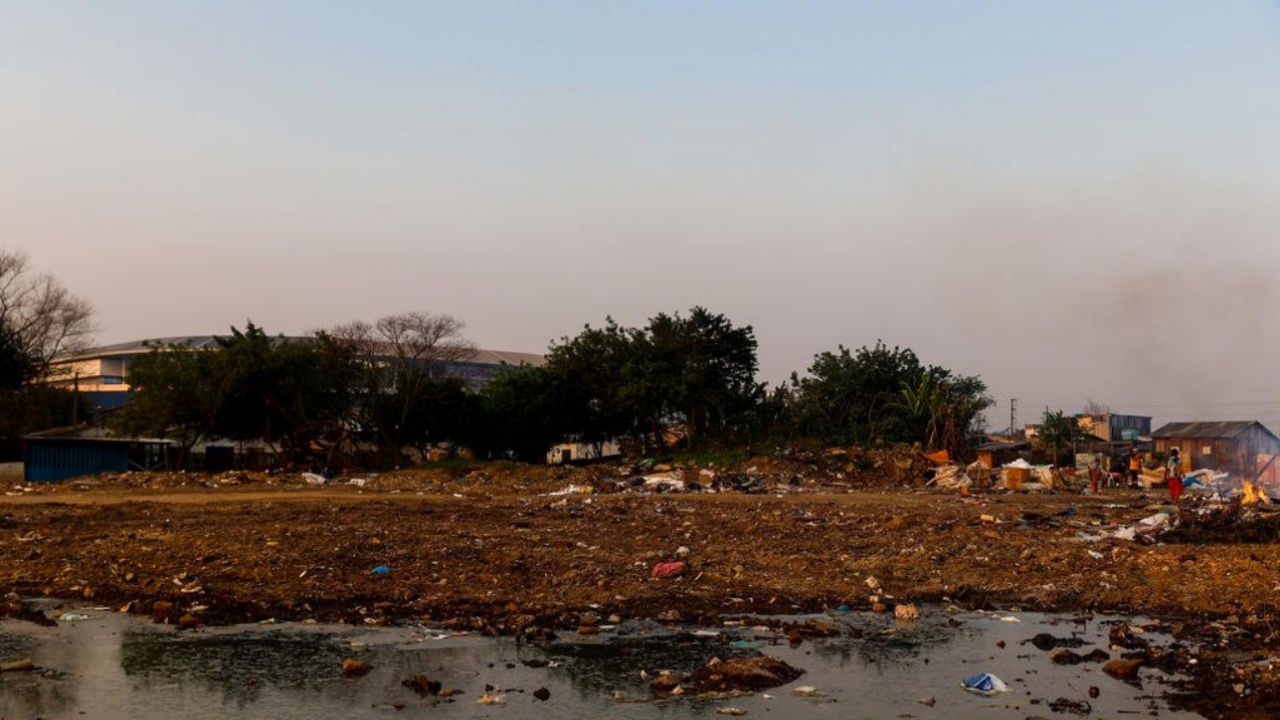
<point x="510" y="562"/>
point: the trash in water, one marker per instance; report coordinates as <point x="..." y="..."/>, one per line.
<point x="352" y="667"/>
<point x="756" y="673"/>
<point x="72" y="617"/>
<point x="492" y="696"/>
<point x="985" y="684"/>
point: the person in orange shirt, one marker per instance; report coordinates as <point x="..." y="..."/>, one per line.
<point x="1135" y="467"/>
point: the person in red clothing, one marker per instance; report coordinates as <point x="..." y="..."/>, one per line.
<point x="1173" y="473"/>
<point x="1095" y="475"/>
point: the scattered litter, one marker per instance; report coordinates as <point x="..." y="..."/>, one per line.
<point x="984" y="684"/>
<point x="664" y="570"/>
<point x="353" y="667"/>
<point x="23" y="665"/>
<point x="492" y="696"/>
<point x="906" y="612"/>
<point x="806" y="691"/>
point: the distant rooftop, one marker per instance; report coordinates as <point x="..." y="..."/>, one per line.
<point x="1208" y="430"/>
<point x="201" y="342"/>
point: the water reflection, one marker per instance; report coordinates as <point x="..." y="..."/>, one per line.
<point x="116" y="667"/>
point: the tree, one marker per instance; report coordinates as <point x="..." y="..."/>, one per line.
<point x="38" y="407"/>
<point x="251" y="386"/>
<point x="590" y="371"/>
<point x="611" y="382"/>
<point x="16" y="366"/>
<point x="524" y="414"/>
<point x="883" y="394"/>
<point x="853" y="397"/>
<point x="1093" y="407"/>
<point x="1059" y="431"/>
<point x="173" y="393"/>
<point x="698" y="368"/>
<point x="40" y="316"/>
<point x="403" y="360"/>
<point x="286" y="393"/>
<point x="39" y="319"/>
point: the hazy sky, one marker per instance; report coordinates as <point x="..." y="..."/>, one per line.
<point x="1072" y="199"/>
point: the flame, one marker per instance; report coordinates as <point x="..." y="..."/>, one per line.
<point x="1254" y="494"/>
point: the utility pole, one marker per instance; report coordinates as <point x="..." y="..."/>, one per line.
<point x="75" y="398"/>
<point x="1013" y="415"/>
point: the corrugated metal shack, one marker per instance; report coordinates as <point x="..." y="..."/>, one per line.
<point x="72" y="452"/>
<point x="1246" y="449"/>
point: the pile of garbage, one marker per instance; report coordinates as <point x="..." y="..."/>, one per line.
<point x="665" y="479"/>
<point x="1018" y="475"/>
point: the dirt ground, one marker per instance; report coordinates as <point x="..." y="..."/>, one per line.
<point x="505" y="559"/>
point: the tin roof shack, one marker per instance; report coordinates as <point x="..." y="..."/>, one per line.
<point x="995" y="453"/>
<point x="1246" y="449"/>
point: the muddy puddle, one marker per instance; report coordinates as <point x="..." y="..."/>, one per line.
<point x="111" y="667"/>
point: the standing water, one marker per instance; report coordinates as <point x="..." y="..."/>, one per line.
<point x="115" y="667"/>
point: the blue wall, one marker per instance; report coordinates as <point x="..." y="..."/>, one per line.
<point x="52" y="460"/>
<point x="106" y="399"/>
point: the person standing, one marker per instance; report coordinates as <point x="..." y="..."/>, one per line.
<point x="1135" y="467"/>
<point x="1173" y="474"/>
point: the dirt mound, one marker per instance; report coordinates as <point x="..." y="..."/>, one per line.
<point x="754" y="673"/>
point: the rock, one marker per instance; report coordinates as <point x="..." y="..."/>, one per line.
<point x="1123" y="669"/>
<point x="1063" y="656"/>
<point x="542" y="694"/>
<point x="352" y="667"/>
<point x="189" y="622"/>
<point x="1047" y="642"/>
<point x="160" y="610"/>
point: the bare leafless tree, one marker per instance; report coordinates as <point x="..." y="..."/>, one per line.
<point x="44" y="318"/>
<point x="1093" y="407"/>
<point x="403" y="354"/>
<point x="425" y="342"/>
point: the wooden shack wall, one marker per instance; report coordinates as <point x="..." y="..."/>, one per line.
<point x="1238" y="456"/>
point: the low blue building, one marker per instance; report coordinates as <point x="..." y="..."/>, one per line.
<point x="73" y="452"/>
